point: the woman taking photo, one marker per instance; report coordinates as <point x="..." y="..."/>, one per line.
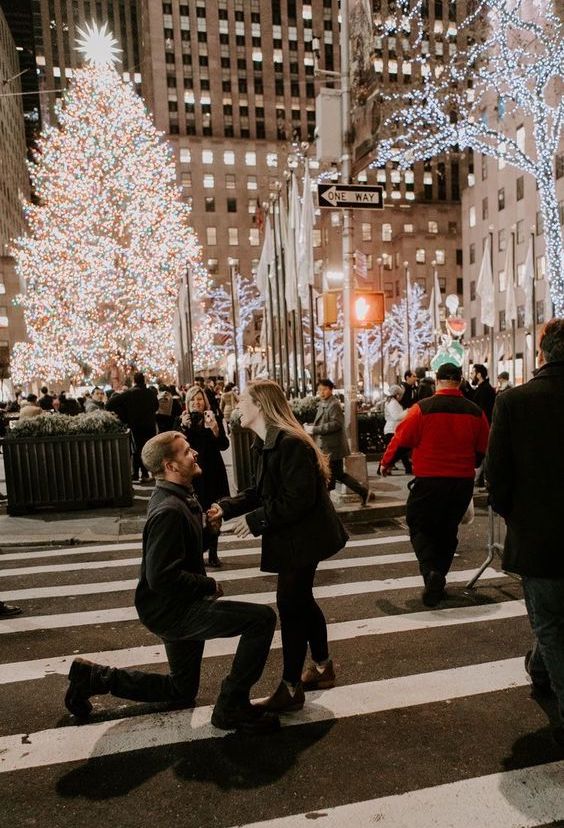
<point x="290" y="507"/>
<point x="394" y="414"/>
<point x="205" y="433"/>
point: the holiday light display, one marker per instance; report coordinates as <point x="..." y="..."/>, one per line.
<point x="248" y="301"/>
<point x="408" y="330"/>
<point x="204" y="328"/>
<point x="501" y="68"/>
<point x="370" y="351"/>
<point x="108" y="237"/>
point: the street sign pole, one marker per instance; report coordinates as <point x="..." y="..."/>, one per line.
<point x="349" y="343"/>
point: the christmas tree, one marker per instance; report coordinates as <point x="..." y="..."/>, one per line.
<point x="408" y="330"/>
<point x="108" y="237"/>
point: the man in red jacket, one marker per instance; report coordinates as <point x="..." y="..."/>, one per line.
<point x="448" y="436"/>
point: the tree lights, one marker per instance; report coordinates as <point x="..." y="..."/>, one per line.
<point x="504" y="70"/>
<point x="108" y="237"/>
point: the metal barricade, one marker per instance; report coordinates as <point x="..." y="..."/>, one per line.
<point x="496" y="538"/>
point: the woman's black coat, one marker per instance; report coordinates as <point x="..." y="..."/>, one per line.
<point x="289" y="505"/>
<point x="212" y="483"/>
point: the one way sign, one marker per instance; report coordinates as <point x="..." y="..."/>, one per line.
<point x="350" y="195"/>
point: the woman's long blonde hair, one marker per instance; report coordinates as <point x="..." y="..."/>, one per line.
<point x="277" y="412"/>
<point x="192" y="392"/>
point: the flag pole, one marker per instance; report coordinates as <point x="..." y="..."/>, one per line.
<point x="277" y="288"/>
<point x="492" y="329"/>
<point x="534" y="301"/>
<point x="312" y="341"/>
<point x="513" y="324"/>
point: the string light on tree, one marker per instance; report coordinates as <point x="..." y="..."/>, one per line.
<point x="508" y="56"/>
<point x="109" y="237"/>
<point x="409" y="321"/>
<point x="220" y="315"/>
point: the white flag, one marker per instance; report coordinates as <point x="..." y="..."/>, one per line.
<point x="528" y="283"/>
<point x="290" y="227"/>
<point x="266" y="259"/>
<point x="510" y="299"/>
<point x="305" y="240"/>
<point x="435" y="304"/>
<point x="485" y="288"/>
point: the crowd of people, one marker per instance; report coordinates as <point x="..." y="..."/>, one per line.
<point x="449" y="433"/>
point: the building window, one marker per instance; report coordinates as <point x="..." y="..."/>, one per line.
<point x="501" y="199"/>
<point x="366" y="231"/>
<point x="185" y="155"/>
<point x="254" y="238"/>
<point x="229" y="182"/>
<point x="212" y="266"/>
<point x="389" y="290"/>
<point x="520" y="234"/>
<point x="472" y="290"/>
<point x="484" y="162"/>
<point x="520" y="316"/>
<point x="520" y="188"/>
<point x="473" y="327"/>
<point x="539" y="224"/>
<point x="472" y="253"/>
<point x="472" y="217"/>
<point x="229" y="157"/>
<point x="251" y="182"/>
<point x="432" y="227"/>
<point x="502" y="325"/>
<point x="271" y="159"/>
<point x="408" y="228"/>
<point x="317" y="238"/>
<point x="560" y="165"/>
<point x="231" y="205"/>
<point x="210" y="204"/>
<point x="420" y="255"/>
<point x="386" y="232"/>
<point x="211" y="236"/>
<point x="540" y="312"/>
<point x="209" y="181"/>
<point x="233" y="235"/>
<point x="440" y="256"/>
<point x="251" y="159"/>
<point x="501" y="240"/>
<point x="484" y="209"/>
<point x="520" y="137"/>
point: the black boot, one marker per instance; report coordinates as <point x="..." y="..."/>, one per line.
<point x="86" y="679"/>
<point x="213" y="560"/>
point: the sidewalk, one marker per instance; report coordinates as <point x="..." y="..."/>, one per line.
<point x="108" y="525"/>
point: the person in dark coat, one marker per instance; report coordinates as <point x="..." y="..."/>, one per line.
<point x="137" y="407"/>
<point x="205" y="432"/>
<point x="484" y="396"/>
<point x="289" y="506"/>
<point x="409" y="386"/>
<point x="525" y="472"/>
<point x="176" y="601"/>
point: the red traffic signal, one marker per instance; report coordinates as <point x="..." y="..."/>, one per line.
<point x="369" y="308"/>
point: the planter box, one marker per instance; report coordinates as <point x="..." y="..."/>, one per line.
<point x="64" y="472"/>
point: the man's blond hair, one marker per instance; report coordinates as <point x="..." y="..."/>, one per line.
<point x="158" y="450"/>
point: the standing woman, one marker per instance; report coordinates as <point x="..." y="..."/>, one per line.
<point x="290" y="507"/>
<point x="394" y="414"/>
<point x="205" y="433"/>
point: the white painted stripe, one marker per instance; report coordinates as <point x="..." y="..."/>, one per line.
<point x="219" y="575"/>
<point x="75" y="744"/>
<point x="46" y="622"/>
<point x="342" y="631"/>
<point x="105" y="587"/>
<point x="521" y="798"/>
<point x="125" y="547"/>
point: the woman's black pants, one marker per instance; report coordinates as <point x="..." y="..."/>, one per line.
<point x="301" y="621"/>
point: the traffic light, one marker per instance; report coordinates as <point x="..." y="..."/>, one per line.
<point x="327" y="310"/>
<point x="368" y="308"/>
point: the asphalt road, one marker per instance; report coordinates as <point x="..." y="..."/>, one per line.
<point x="431" y="724"/>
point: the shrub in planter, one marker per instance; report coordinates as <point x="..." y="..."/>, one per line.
<point x="62" y="462"/>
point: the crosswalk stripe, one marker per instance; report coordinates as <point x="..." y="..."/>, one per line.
<point x="506" y="800"/>
<point x="127" y="613"/>
<point x="341" y="631"/>
<point x="125" y="547"/>
<point x="221" y="575"/>
<point x="54" y="621"/>
<point x="73" y="744"/>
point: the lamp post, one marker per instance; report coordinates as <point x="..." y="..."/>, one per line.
<point x="379" y="262"/>
<point x="406" y="272"/>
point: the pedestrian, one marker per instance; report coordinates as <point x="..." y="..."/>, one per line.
<point x="45" y="401"/>
<point x="289" y="506"/>
<point x="137" y="407"/>
<point x="525" y="472"/>
<point x="446" y="433"/>
<point x="30" y="407"/>
<point x="394" y="414"/>
<point x="68" y="405"/>
<point x="425" y="384"/>
<point x="228" y="403"/>
<point x="503" y="383"/>
<point x="176" y="601"/>
<point x="205" y="433"/>
<point x="328" y="430"/>
<point x="96" y="401"/>
<point x="484" y="396"/>
<point x="409" y="385"/>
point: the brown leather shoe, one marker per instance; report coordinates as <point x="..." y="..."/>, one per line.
<point x="282" y="701"/>
<point x="312" y="679"/>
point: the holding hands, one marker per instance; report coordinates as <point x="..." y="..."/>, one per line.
<point x="214" y="517"/>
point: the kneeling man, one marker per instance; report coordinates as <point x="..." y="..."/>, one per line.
<point x="177" y="601"/>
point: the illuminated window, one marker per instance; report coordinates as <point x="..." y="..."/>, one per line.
<point x="209" y="181"/>
<point x="366" y="230"/>
<point x="251" y="159"/>
<point x="229" y="182"/>
<point x="420" y="255"/>
<point x="432" y="227"/>
<point x="207" y="156"/>
<point x="254" y="238"/>
<point x="233" y="235"/>
<point x="211" y="236"/>
<point x="229" y="158"/>
<point x="386" y="232"/>
<point x="185" y="155"/>
<point x="440" y="257"/>
<point x="251" y="182"/>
